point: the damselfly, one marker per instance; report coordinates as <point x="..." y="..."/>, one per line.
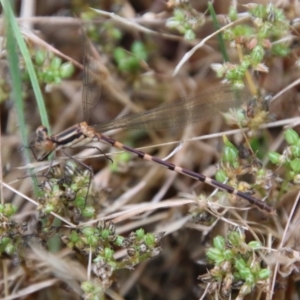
<point x="178" y="114"/>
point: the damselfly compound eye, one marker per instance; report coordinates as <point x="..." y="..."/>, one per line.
<point x="43" y="143"/>
<point x="41" y="134"/>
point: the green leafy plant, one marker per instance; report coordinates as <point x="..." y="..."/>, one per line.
<point x="131" y="62"/>
<point x="235" y="261"/>
<point x="186" y="20"/>
<point x="255" y="42"/>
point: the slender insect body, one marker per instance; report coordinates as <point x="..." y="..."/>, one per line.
<point x="260" y="204"/>
<point x="90" y="135"/>
<point x="82" y="134"/>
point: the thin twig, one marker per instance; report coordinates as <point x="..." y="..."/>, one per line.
<point x="188" y="55"/>
<point x="269" y="296"/>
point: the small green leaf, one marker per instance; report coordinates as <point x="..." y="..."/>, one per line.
<point x="139" y="50"/>
<point x="119" y="54"/>
<point x="259" y="11"/>
<point x="149" y="239"/>
<point x="281" y="50"/>
<point x="240" y="264"/>
<point x="179" y="14"/>
<point x="221" y="176"/>
<point x="219" y="242"/>
<point x="189" y="35"/>
<point x="39" y="57"/>
<point x="9" y="209"/>
<point x="228" y="254"/>
<point x="295" y="165"/>
<point x="264" y="274"/>
<point x="295" y="150"/>
<point x="215" y="254"/>
<point x="49" y="208"/>
<point x="274" y="157"/>
<point x="232" y="14"/>
<point x="88" y="211"/>
<point x="79" y="202"/>
<point x="291" y="136"/>
<point x="88" y="230"/>
<point x="119" y="241"/>
<point x="108" y="253"/>
<point x="255" y="245"/>
<point x="55" y="63"/>
<point x="92" y="240"/>
<point x="257" y="54"/>
<point x="235" y="238"/>
<point x="66" y="70"/>
<point x="140" y="233"/>
<point x="87" y="287"/>
<point x="10" y="249"/>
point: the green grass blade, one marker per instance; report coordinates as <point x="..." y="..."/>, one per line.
<point x="217" y="27"/>
<point x="13" y="62"/>
<point x="26" y="55"/>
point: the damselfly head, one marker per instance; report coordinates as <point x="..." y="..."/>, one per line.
<point x="41" y="134"/>
<point x="43" y="144"/>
